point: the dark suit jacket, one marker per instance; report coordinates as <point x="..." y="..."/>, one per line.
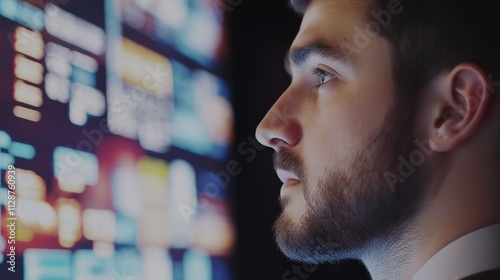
<point x="488" y="275"/>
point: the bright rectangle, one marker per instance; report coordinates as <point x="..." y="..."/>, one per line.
<point x="87" y="266"/>
<point x="22" y="150"/>
<point x="42" y="264"/>
<point x="27" y="114"/>
<point x="70" y="222"/>
<point x="99" y="224"/>
<point x="29" y="43"/>
<point x="74" y="30"/>
<point x="74" y="165"/>
<point x="146" y="69"/>
<point x="5" y="139"/>
<point x="30" y="185"/>
<point x="28" y="69"/>
<point x="27" y="94"/>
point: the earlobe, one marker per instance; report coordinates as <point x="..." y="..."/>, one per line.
<point x="466" y="100"/>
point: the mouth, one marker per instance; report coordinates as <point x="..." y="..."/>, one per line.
<point x="288" y="178"/>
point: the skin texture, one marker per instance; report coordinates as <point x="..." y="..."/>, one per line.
<point x="341" y="139"/>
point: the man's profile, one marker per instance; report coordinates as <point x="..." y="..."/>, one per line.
<point x="388" y="138"/>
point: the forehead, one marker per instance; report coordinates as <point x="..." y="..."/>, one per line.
<point x="332" y="21"/>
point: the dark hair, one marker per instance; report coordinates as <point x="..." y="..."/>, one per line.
<point x="430" y="36"/>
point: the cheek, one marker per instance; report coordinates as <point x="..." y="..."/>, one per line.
<point x="341" y="130"/>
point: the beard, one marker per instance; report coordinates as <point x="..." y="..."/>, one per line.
<point x="352" y="209"/>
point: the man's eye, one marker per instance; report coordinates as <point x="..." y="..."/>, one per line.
<point x="322" y="76"/>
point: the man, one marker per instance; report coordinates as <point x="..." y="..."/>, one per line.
<point x="387" y="139"/>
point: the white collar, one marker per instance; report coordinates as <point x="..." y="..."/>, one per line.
<point x="472" y="253"/>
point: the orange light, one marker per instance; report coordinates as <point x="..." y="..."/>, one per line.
<point x="36" y="214"/>
<point x="30" y="185"/>
<point x="29" y="43"/>
<point x="27" y="114"/>
<point x="70" y="222"/>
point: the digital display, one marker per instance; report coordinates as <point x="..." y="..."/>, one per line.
<point x="113" y="129"/>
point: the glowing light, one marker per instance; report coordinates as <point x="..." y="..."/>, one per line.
<point x="69" y="164"/>
<point x="74" y="30"/>
<point x="22" y="150"/>
<point x="214" y="234"/>
<point x="103" y="249"/>
<point x="57" y="88"/>
<point x="174" y="13"/>
<point x="57" y="65"/>
<point x="47" y="264"/>
<point x="85" y="62"/>
<point x="27" y="114"/>
<point x="127" y="193"/>
<point x="28" y="70"/>
<point x="154" y="229"/>
<point x="197" y="266"/>
<point x="23" y="13"/>
<point x="29" y="43"/>
<point x="25" y="234"/>
<point x="99" y="224"/>
<point x="202" y="35"/>
<point x="85" y="100"/>
<point x="27" y="94"/>
<point x="83" y="77"/>
<point x="183" y="203"/>
<point x="70" y="224"/>
<point x="73" y="182"/>
<point x="146" y="69"/>
<point x="157" y="264"/>
<point x="30" y="185"/>
<point x="87" y="265"/>
<point x="35" y="213"/>
<point x="3" y="199"/>
<point x="153" y="222"/>
<point x="5" y="139"/>
<point x="6" y="160"/>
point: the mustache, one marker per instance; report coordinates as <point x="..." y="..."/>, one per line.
<point x="289" y="161"/>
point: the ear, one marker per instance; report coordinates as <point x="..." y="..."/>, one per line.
<point x="464" y="101"/>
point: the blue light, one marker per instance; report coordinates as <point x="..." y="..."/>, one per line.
<point x="23" y="13"/>
<point x="8" y="8"/>
<point x="47" y="264"/>
<point x="197" y="266"/>
<point x="83" y="76"/>
<point x="6" y="160"/>
<point x="5" y="139"/>
<point x="68" y="162"/>
<point x="22" y="150"/>
<point x="88" y="266"/>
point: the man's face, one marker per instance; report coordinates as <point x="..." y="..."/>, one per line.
<point x="336" y="132"/>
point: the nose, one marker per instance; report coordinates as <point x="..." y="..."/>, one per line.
<point x="280" y="128"/>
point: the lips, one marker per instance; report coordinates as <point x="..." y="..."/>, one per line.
<point x="287" y="177"/>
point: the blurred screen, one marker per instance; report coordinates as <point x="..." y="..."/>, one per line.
<point x="115" y="125"/>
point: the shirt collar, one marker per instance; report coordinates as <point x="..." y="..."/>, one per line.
<point x="472" y="253"/>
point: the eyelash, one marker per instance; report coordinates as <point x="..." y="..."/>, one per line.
<point x="320" y="76"/>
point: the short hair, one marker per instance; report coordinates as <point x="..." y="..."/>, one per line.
<point x="430" y="36"/>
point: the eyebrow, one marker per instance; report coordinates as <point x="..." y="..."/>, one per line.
<point x="301" y="54"/>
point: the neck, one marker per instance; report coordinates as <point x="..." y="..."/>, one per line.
<point x="462" y="199"/>
<point x="394" y="257"/>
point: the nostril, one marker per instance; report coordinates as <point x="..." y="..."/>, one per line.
<point x="277" y="142"/>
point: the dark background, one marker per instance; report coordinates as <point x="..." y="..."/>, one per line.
<point x="260" y="34"/>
